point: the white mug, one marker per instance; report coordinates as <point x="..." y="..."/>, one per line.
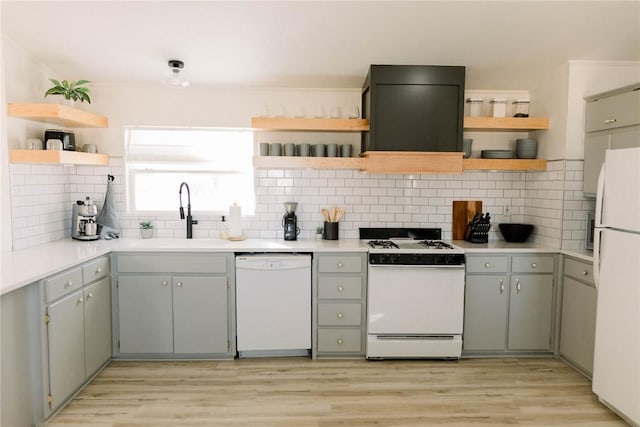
<point x="89" y="148"/>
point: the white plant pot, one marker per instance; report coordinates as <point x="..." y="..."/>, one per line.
<point x="146" y="233"/>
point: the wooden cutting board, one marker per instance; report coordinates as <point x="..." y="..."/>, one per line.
<point x="463" y="212"/>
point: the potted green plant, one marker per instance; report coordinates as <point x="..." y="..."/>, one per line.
<point x="319" y="231"/>
<point x="71" y="91"/>
<point x="146" y="229"/>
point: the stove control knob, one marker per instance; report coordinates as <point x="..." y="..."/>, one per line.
<point x="439" y="259"/>
<point x="394" y="258"/>
<point x="382" y="258"/>
<point x="451" y="259"/>
<point x="417" y="258"/>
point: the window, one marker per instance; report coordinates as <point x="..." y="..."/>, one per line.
<point x="215" y="162"/>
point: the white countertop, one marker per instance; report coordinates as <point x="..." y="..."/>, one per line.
<point x="19" y="268"/>
<point x="581" y="254"/>
<point x="504" y="247"/>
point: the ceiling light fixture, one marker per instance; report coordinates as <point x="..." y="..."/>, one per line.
<point x="175" y="79"/>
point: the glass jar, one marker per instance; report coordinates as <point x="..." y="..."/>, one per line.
<point x="521" y="108"/>
<point x="499" y="107"/>
<point x="475" y="106"/>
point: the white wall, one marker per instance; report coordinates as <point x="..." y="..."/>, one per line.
<point x="24" y="79"/>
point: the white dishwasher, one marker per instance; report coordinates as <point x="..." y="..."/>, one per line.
<point x="273" y="305"/>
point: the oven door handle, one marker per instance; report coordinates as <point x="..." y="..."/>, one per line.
<point x="398" y="266"/>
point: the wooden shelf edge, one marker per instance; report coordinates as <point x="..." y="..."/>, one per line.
<point x="505" y="164"/>
<point x="282" y="162"/>
<point x="506" y="123"/>
<point x="57" y="114"/>
<point x="303" y="124"/>
<point x="58" y="157"/>
<point x="413" y="162"/>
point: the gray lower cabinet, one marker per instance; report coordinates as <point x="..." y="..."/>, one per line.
<point x="339" y="305"/>
<point x="75" y="335"/>
<point x="175" y="305"/>
<point x="509" y="303"/>
<point x="577" y="330"/>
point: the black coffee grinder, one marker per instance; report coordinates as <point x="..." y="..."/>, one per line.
<point x="290" y="222"/>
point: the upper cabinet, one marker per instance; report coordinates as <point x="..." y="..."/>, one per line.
<point x="59" y="115"/>
<point x="612" y="121"/>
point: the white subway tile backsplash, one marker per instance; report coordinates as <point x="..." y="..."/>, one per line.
<point x="42" y="197"/>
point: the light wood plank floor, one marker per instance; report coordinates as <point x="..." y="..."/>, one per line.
<point x="302" y="392"/>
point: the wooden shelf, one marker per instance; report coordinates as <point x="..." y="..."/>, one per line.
<point x="58" y="114"/>
<point x="332" y="125"/>
<point x="58" y="157"/>
<point x="505" y="164"/>
<point x="506" y="123"/>
<point x="282" y="162"/>
<point x="413" y="162"/>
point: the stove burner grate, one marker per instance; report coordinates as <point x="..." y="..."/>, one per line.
<point x="435" y="244"/>
<point x="383" y="244"/>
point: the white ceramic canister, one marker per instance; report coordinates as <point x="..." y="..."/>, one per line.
<point x="499" y="107"/>
<point x="475" y="106"/>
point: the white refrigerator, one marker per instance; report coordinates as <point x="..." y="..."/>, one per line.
<point x="616" y="364"/>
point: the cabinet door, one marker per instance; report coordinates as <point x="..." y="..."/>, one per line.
<point x="625" y="138"/>
<point x="200" y="314"/>
<point x="97" y="325"/>
<point x="530" y="312"/>
<point x="145" y="314"/>
<point x="595" y="146"/>
<point x="485" y="313"/>
<point x="578" y="323"/>
<point x="65" y="337"/>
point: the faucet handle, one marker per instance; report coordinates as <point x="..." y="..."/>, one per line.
<point x="181" y="212"/>
<point x="194" y="222"/>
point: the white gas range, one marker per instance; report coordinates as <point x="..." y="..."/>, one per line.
<point x="415" y="300"/>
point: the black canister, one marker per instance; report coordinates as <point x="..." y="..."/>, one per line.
<point x="330" y="231"/>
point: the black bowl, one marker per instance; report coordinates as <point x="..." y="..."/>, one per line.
<point x="516" y="233"/>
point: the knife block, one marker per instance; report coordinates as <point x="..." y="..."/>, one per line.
<point x="463" y="212"/>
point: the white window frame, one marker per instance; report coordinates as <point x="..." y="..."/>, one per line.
<point x="190" y="165"/>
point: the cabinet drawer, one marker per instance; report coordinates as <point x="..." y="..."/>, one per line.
<point x="340" y="264"/>
<point x="58" y="285"/>
<point x="613" y="111"/>
<point x="172" y="263"/>
<point x="579" y="270"/>
<point x="487" y="264"/>
<point x="340" y="287"/>
<point x="339" y="340"/>
<point x="335" y="314"/>
<point x="532" y="264"/>
<point x="95" y="270"/>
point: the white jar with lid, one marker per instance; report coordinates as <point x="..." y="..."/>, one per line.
<point x="475" y="106"/>
<point x="499" y="107"/>
<point x="520" y="108"/>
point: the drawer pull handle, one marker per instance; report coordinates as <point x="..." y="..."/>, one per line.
<point x="179" y="284"/>
<point x="487" y="265"/>
<point x="534" y="265"/>
<point x="340" y="288"/>
<point x="68" y="284"/>
<point x="518" y="287"/>
<point x="80" y="301"/>
<point x="89" y="296"/>
<point x="609" y="121"/>
<point x="585" y="273"/>
<point x="501" y="286"/>
<point x="99" y="270"/>
<point x="165" y="283"/>
<point x="340" y="265"/>
<point x="340" y="315"/>
<point x="339" y="341"/>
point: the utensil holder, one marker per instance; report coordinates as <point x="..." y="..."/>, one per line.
<point x="330" y="231"/>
